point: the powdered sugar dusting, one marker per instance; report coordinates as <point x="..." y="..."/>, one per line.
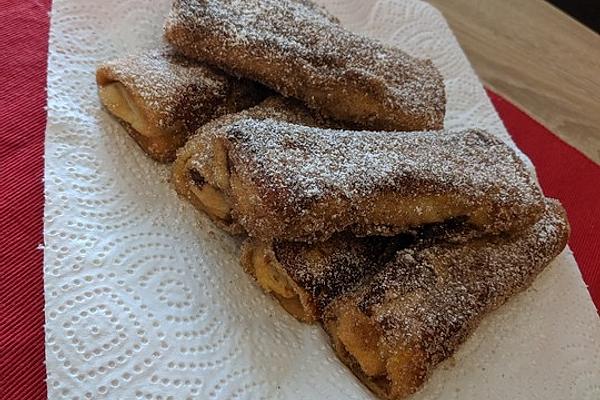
<point x="432" y="295"/>
<point x="329" y="269"/>
<point x="175" y="89"/>
<point x="199" y="152"/>
<point x="297" y="49"/>
<point x="306" y="164"/>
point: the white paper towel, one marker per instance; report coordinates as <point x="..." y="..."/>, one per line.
<point x="145" y="298"/>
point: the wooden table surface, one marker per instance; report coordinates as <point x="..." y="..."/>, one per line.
<point x="537" y="57"/>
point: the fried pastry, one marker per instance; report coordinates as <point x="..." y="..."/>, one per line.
<point x="200" y="172"/>
<point x="297" y="183"/>
<point x="297" y="49"/>
<point x="413" y="314"/>
<point x="305" y="277"/>
<point x="161" y="97"/>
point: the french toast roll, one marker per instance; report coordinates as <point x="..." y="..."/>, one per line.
<point x="161" y="97"/>
<point x="300" y="183"/>
<point x="305" y="277"/>
<point x="397" y="326"/>
<point x="200" y="173"/>
<point x="299" y="50"/>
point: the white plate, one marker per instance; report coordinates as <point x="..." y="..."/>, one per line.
<point x="145" y="298"/>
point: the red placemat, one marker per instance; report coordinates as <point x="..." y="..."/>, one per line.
<point x="23" y="53"/>
<point x="564" y="173"/>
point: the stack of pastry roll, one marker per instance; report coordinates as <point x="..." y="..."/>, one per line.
<point x="394" y="308"/>
<point x="357" y="209"/>
<point x="397" y="242"/>
<point x="161" y="97"/>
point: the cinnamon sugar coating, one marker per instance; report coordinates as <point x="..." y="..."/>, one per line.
<point x="425" y="303"/>
<point x="297" y="49"/>
<point x="313" y="274"/>
<point x="171" y="96"/>
<point x="197" y="162"/>
<point x="299" y="183"/>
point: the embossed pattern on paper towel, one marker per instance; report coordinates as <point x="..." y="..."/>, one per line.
<point x="145" y="298"/>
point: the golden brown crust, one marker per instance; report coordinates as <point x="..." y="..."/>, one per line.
<point x="166" y="97"/>
<point x="299" y="183"/>
<point x="425" y="303"/>
<point x="314" y="274"/>
<point x="306" y="277"/>
<point x="200" y="162"/>
<point x="297" y="49"/>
